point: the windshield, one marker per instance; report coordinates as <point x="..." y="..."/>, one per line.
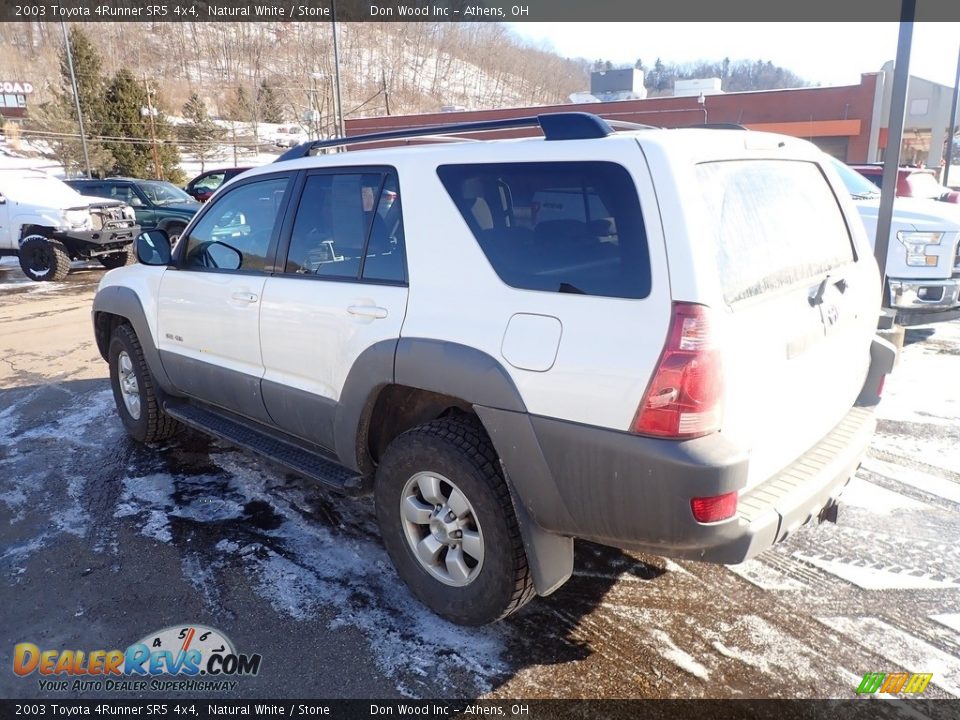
<point x="164" y="193"/>
<point x="857" y="185"/>
<point x="40" y="189"/>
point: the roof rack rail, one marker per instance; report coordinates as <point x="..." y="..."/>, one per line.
<point x="717" y="126"/>
<point x="555" y="126"/>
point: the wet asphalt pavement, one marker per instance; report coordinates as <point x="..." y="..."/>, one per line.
<point x="103" y="541"/>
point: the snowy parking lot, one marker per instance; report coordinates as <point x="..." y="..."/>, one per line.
<point x="103" y="541"/>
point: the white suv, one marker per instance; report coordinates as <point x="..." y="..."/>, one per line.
<point x="661" y="340"/>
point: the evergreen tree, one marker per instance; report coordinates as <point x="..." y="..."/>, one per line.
<point x="201" y="134"/>
<point x="128" y="117"/>
<point x="241" y="108"/>
<point x="270" y="109"/>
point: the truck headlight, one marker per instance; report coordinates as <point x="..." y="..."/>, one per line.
<point x="917" y="244"/>
<point x="76" y="219"/>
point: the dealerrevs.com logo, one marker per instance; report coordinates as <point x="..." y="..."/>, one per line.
<point x="177" y="658"/>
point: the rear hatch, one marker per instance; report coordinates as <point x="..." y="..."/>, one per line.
<point x="799" y="306"/>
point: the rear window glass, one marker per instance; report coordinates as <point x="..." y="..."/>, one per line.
<point x="774" y="222"/>
<point x="572" y="227"/>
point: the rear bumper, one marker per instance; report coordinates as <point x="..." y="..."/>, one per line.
<point x="634" y="492"/>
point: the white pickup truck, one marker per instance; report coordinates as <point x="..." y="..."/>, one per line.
<point x="923" y="258"/>
<point x="46" y="224"/>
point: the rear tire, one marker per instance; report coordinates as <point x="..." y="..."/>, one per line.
<point x="44" y="259"/>
<point x="134" y="391"/>
<point x="125" y="257"/>
<point x="447" y="521"/>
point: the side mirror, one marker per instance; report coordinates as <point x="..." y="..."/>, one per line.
<point x="222" y="256"/>
<point x="153" y="247"/>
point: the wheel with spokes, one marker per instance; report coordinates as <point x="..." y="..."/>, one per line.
<point x="133" y="390"/>
<point x="448" y="523"/>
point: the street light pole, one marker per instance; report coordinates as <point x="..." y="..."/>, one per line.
<point x="76" y="98"/>
<point x="952" y="127"/>
<point x="891" y="160"/>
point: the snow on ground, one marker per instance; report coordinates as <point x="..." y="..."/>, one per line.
<point x="870" y="496"/>
<point x="870" y="578"/>
<point x="951" y="620"/>
<point x="905" y="651"/>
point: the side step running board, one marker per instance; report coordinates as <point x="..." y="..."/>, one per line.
<point x="290" y="456"/>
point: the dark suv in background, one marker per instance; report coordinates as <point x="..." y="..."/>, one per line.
<point x="158" y="205"/>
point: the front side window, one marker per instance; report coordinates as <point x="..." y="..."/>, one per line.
<point x="210" y="182"/>
<point x="236" y="231"/>
<point x="125" y="193"/>
<point x="348" y="225"/>
<point x="571" y="227"/>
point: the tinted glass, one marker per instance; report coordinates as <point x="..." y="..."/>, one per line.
<point x="210" y="182"/>
<point x="561" y="227"/>
<point x="164" y="193"/>
<point x="244" y="219"/>
<point x="775" y="223"/>
<point x="333" y="219"/>
<point x="385" y="251"/>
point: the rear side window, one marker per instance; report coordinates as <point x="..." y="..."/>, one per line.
<point x="775" y="223"/>
<point x="571" y="227"/>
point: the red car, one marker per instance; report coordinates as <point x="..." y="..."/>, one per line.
<point x="912" y="182"/>
<point x="205" y="184"/>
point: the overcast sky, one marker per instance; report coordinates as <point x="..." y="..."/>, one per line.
<point x="825" y="53"/>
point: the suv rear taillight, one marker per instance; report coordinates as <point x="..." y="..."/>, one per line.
<point x="685" y="395"/>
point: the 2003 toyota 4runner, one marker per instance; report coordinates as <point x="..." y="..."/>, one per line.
<point x="660" y="340"/>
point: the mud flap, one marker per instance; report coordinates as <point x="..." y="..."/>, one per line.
<point x="883" y="356"/>
<point x="549" y="556"/>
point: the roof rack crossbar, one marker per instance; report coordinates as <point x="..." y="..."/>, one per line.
<point x="555" y="126"/>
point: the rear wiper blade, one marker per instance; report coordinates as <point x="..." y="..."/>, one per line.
<point x="568" y="288"/>
<point x="817" y="297"/>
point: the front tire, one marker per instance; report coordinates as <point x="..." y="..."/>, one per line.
<point x="134" y="392"/>
<point x="174" y="231"/>
<point x="448" y="524"/>
<point x="127" y="256"/>
<point x="44" y="259"/>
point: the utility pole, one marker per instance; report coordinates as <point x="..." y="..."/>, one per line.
<point x="336" y="71"/>
<point x="952" y="127"/>
<point x="386" y="90"/>
<point x="76" y="98"/>
<point x="153" y="132"/>
<point x="891" y="160"/>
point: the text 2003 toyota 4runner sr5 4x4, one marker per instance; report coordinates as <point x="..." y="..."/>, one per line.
<point x="654" y="339"/>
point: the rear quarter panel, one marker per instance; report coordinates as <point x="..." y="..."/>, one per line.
<point x="608" y="347"/>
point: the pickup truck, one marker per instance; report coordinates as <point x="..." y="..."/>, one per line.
<point x="923" y="259"/>
<point x="46" y="224"/>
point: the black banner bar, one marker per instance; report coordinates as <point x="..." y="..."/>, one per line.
<point x="861" y="12"/>
<point x="865" y="708"/>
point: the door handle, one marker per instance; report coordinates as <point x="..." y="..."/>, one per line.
<point x="371" y="311"/>
<point x="245" y="297"/>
